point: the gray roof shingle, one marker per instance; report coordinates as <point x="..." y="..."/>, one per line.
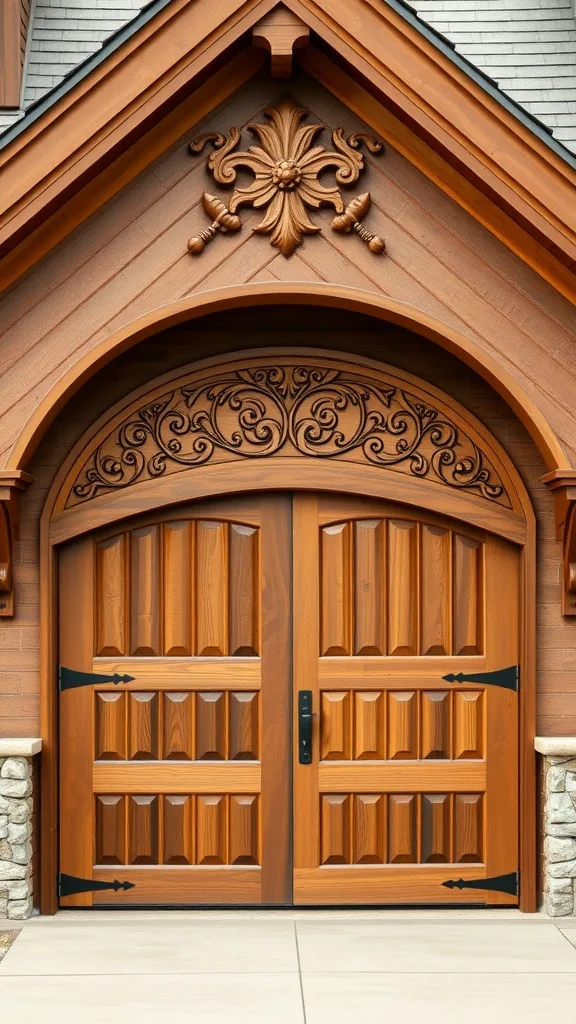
<point x="527" y="46"/>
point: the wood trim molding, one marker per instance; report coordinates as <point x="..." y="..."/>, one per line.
<point x="562" y="484"/>
<point x="10" y="53"/>
<point x="463" y="137"/>
<point x="280" y="33"/>
<point x="266" y="416"/>
<point x="298" y="293"/>
<point x="11" y="486"/>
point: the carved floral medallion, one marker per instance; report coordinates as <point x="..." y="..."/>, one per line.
<point x="286" y="166"/>
<point x="313" y="410"/>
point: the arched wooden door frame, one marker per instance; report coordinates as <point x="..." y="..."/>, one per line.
<point x="215" y="480"/>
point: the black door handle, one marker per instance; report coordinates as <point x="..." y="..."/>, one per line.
<point x="305" y="726"/>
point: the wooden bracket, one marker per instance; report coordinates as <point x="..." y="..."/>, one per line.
<point x="281" y="32"/>
<point x="12" y="483"/>
<point x="562" y="483"/>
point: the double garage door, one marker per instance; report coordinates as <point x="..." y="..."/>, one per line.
<point x="281" y="699"/>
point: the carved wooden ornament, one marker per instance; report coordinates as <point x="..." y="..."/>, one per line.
<point x="308" y="409"/>
<point x="286" y="167"/>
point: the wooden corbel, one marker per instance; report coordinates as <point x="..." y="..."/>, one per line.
<point x="562" y="483"/>
<point x="280" y="32"/>
<point x="12" y="483"/>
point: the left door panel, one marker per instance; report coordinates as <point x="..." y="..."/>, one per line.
<point x="178" y="781"/>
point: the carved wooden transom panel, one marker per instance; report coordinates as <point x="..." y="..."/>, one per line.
<point x="264" y="407"/>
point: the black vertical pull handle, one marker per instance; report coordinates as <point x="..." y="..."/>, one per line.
<point x="305" y="726"/>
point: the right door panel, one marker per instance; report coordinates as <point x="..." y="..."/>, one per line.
<point x="413" y="778"/>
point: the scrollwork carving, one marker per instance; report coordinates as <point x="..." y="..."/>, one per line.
<point x="316" y="411"/>
<point x="286" y="165"/>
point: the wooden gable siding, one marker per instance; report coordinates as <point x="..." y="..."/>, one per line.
<point x="132" y="258"/>
<point x="19" y="639"/>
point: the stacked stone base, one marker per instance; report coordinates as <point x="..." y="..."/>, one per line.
<point x="560" y="836"/>
<point x="15" y="838"/>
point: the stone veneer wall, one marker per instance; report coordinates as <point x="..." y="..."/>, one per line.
<point x="560" y="835"/>
<point x="16" y="814"/>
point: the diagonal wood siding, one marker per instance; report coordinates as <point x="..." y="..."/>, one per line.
<point x="131" y="258"/>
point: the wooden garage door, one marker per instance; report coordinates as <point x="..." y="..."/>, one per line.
<point x="412" y="780"/>
<point x="177" y="782"/>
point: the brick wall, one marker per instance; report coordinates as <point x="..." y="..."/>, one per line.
<point x="19" y="638"/>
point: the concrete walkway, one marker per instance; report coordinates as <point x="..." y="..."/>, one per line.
<point x="291" y="967"/>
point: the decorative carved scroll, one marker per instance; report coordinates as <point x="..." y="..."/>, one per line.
<point x="11" y="486"/>
<point x="286" y="167"/>
<point x="562" y="483"/>
<point x="308" y="409"/>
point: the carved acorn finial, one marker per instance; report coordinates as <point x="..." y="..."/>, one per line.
<point x="223" y="221"/>
<point x="350" y="221"/>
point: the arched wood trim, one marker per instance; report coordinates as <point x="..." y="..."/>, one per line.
<point x="297" y="293"/>
<point x="113" y="470"/>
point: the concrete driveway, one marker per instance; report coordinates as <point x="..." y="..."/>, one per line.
<point x="335" y="967"/>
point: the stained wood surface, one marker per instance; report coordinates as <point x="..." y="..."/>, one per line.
<point x="131" y="258"/>
<point x="188" y="763"/>
<point x="404" y="770"/>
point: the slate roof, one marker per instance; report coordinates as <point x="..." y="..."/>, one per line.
<point x="527" y="46"/>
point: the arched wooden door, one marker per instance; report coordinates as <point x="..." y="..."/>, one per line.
<point x="202" y="780"/>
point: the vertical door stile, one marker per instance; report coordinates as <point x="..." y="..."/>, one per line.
<point x="76" y="644"/>
<point x="306" y="633"/>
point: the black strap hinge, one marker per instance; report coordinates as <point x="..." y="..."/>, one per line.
<point x="69" y="678"/>
<point x="509" y="678"/>
<point x="509" y="884"/>
<point x="69" y="885"/>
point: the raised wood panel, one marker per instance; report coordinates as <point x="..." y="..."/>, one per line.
<point x="110" y="720"/>
<point x="178" y="726"/>
<point x="402" y="587"/>
<point x="468" y="724"/>
<point x="435" y="596"/>
<point x="435" y="724"/>
<point x="244" y="602"/>
<point x="370" y="823"/>
<point x="335" y="824"/>
<point x="369" y="725"/>
<point x="370" y="587"/>
<point x="110" y="830"/>
<point x="243" y="830"/>
<point x="143" y="829"/>
<point x="178" y="829"/>
<point x="211" y="588"/>
<point x="211" y="738"/>
<point x="177" y="585"/>
<point x="403" y="725"/>
<point x="244" y="727"/>
<point x="436" y="828"/>
<point x="145" y="591"/>
<point x="336" y="593"/>
<point x="402" y="837"/>
<point x="468" y="604"/>
<point x="335" y="726"/>
<point x="211" y="832"/>
<point x="111" y="591"/>
<point x="143" y="721"/>
<point x="468" y="828"/>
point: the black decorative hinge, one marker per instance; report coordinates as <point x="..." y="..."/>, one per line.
<point x="68" y="885"/>
<point x="68" y="678"/>
<point x="509" y="678"/>
<point x="509" y="884"/>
